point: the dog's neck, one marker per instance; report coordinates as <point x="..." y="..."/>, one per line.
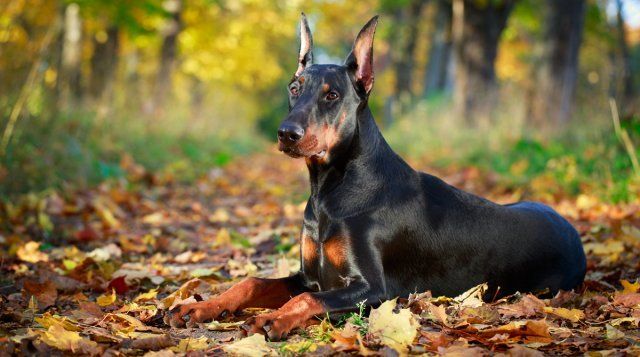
<point x="366" y="155"/>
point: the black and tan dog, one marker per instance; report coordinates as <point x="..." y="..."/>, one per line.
<point x="374" y="228"/>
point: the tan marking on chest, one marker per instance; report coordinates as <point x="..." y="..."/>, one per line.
<point x="309" y="249"/>
<point x="335" y="249"/>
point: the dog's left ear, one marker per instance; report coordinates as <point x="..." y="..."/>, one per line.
<point x="305" y="58"/>
<point x="360" y="60"/>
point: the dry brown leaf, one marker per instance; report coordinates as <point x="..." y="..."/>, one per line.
<point x="528" y="306"/>
<point x="45" y="292"/>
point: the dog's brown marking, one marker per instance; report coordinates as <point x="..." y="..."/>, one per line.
<point x="309" y="249"/>
<point x="301" y="79"/>
<point x="293" y="314"/>
<point x="325" y="88"/>
<point x="335" y="250"/>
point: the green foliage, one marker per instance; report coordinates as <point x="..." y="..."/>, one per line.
<point x="585" y="157"/>
<point x="75" y="148"/>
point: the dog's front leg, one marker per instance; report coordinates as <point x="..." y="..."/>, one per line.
<point x="251" y="292"/>
<point x="295" y="313"/>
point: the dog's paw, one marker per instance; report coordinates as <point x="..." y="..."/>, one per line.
<point x="273" y="325"/>
<point x="190" y="315"/>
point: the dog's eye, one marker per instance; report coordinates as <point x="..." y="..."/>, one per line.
<point x="294" y="91"/>
<point x="332" y="96"/>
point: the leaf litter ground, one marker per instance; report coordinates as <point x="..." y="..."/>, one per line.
<point x="93" y="271"/>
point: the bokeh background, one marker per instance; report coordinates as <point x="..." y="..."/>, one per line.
<point x="540" y="95"/>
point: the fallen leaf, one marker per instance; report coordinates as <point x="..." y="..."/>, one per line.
<point x="627" y="300"/>
<point x="613" y="333"/>
<point x="573" y="315"/>
<point x="252" y="346"/>
<point x="149" y="295"/>
<point x="56" y="336"/>
<point x="105" y="253"/>
<point x="186" y="290"/>
<point x="193" y="344"/>
<point x="47" y="320"/>
<point x="530" y="330"/>
<point x="394" y="329"/>
<point x="473" y="296"/>
<point x="119" y="285"/>
<point x="527" y="306"/>
<point x="107" y="299"/>
<point x="223" y="326"/>
<point x="30" y="253"/>
<point x="46" y="292"/>
<point x="152" y="342"/>
<point x="630" y="287"/>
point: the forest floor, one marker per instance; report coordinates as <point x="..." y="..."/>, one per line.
<point x="94" y="271"/>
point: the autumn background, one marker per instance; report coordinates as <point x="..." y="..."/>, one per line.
<point x="137" y="152"/>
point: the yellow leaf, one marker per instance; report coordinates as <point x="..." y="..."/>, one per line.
<point x="56" y="336"/>
<point x="192" y="344"/>
<point x="574" y="315"/>
<point x="630" y="287"/>
<point x="473" y="296"/>
<point x="47" y="320"/>
<point x="149" y="295"/>
<point x="30" y="253"/>
<point x="183" y="292"/>
<point x="107" y="217"/>
<point x="223" y="326"/>
<point x="613" y="333"/>
<point x="219" y="216"/>
<point x="394" y="329"/>
<point x="107" y="299"/>
<point x="252" y="346"/>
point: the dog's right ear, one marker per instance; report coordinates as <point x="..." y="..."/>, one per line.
<point x="305" y="58"/>
<point x="360" y="60"/>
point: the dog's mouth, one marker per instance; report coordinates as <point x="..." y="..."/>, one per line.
<point x="295" y="152"/>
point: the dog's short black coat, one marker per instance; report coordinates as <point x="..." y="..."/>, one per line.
<point x="375" y="229"/>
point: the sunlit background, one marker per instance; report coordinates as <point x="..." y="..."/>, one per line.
<point x="543" y="94"/>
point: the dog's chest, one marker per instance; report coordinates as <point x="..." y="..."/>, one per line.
<point x="325" y="258"/>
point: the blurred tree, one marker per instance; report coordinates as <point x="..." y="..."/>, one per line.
<point x="627" y="94"/>
<point x="104" y="61"/>
<point x="168" y="53"/>
<point x="406" y="20"/>
<point x="557" y="72"/>
<point x="437" y="73"/>
<point x="477" y="26"/>
<point x="69" y="86"/>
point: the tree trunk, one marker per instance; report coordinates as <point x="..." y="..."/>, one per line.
<point x="477" y="26"/>
<point x="627" y="94"/>
<point x="168" y="54"/>
<point x="557" y="74"/>
<point x="103" y="64"/>
<point x="405" y="55"/>
<point x="437" y="74"/>
<point x="69" y="87"/>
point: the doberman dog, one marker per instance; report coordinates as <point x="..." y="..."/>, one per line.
<point x="375" y="229"/>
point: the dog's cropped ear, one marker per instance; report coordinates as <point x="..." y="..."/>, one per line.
<point x="305" y="58"/>
<point x="360" y="60"/>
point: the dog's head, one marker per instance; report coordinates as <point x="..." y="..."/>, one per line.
<point x="324" y="99"/>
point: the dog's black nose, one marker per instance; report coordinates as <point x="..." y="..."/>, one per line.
<point x="290" y="133"/>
